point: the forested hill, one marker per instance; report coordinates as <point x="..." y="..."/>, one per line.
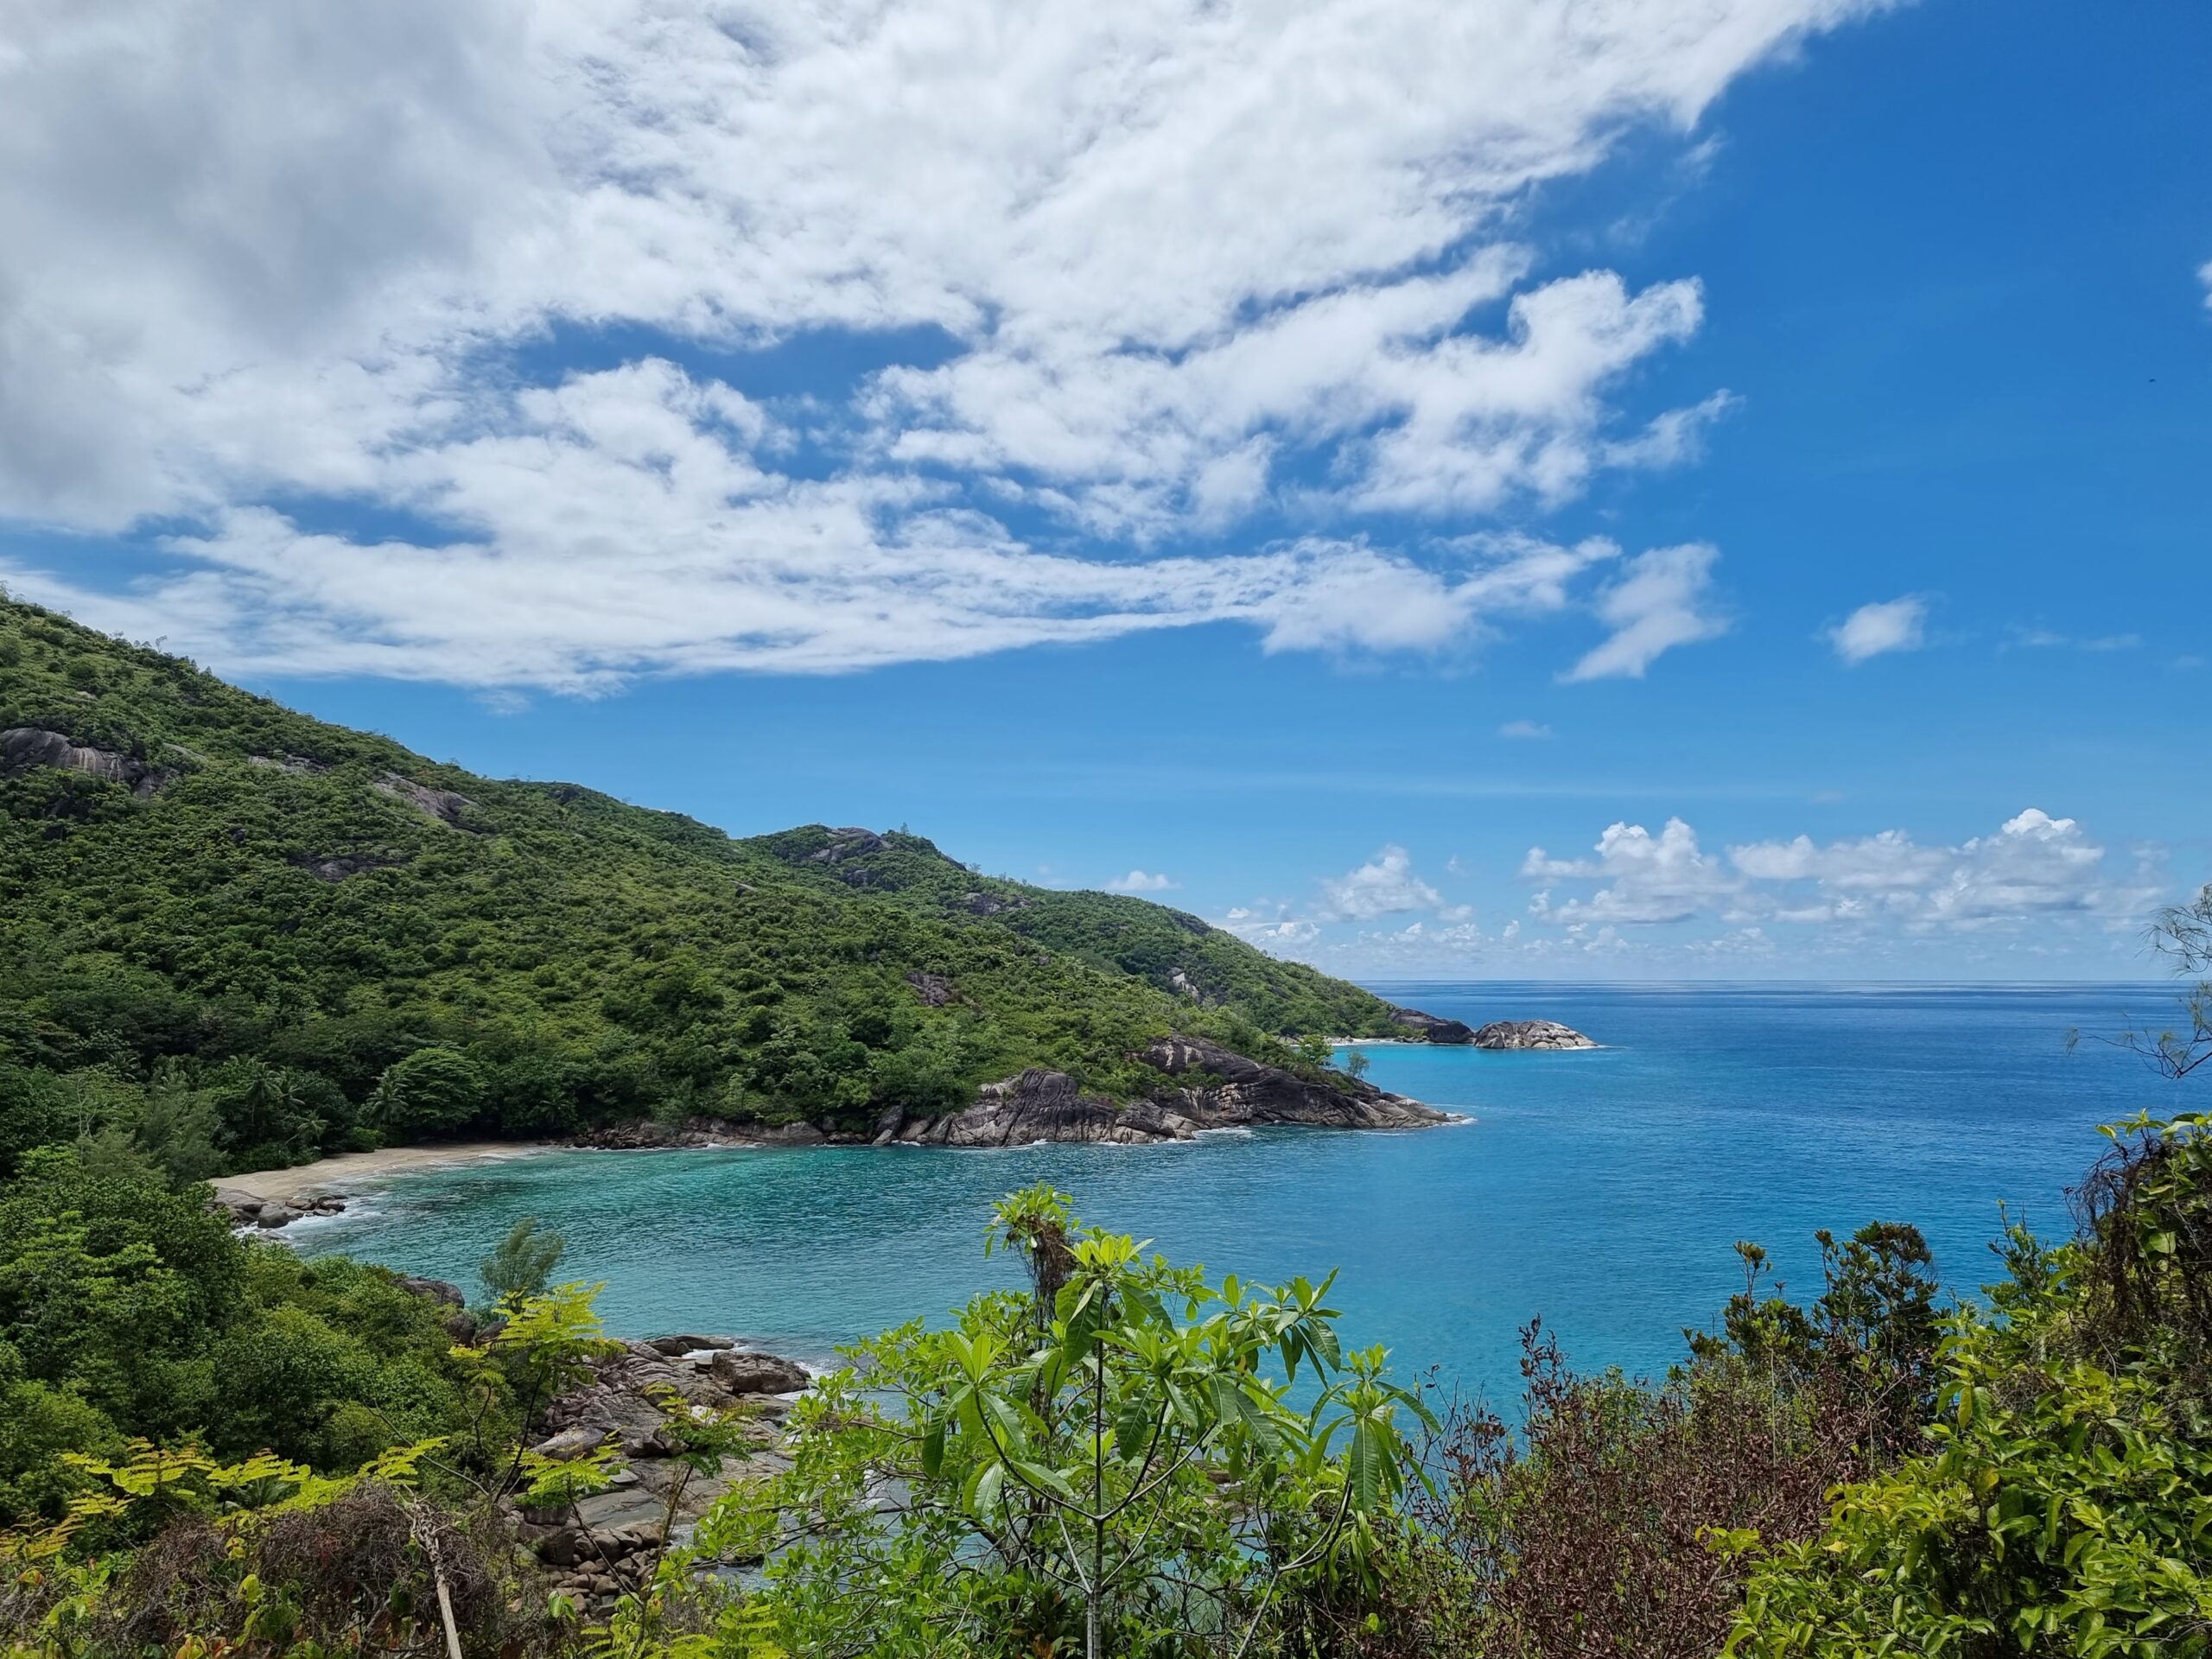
<point x="223" y="921"/>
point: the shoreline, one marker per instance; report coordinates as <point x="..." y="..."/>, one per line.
<point x="346" y="1173"/>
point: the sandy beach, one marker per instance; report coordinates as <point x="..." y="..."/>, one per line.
<point x="349" y="1171"/>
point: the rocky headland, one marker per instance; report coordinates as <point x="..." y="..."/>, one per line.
<point x="1202" y="1086"/>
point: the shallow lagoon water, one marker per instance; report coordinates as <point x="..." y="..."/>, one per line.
<point x="1602" y="1189"/>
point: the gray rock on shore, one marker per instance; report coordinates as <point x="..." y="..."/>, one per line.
<point x="246" y="1210"/>
<point x="604" y="1544"/>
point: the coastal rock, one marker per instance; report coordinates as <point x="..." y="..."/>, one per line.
<point x="1431" y="1029"/>
<point x="23" y="747"/>
<point x="1530" y="1033"/>
<point x="602" y="1544"/>
<point x="1041" y="1105"/>
<point x="1219" y="1090"/>
<point x="742" y="1372"/>
<point x="678" y="1346"/>
<point x="1248" y="1092"/>
<point x="242" y="1206"/>
<point x="568" y="1443"/>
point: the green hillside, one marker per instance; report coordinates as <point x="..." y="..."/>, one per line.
<point x="223" y="922"/>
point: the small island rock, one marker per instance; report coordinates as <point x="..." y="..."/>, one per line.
<point x="1530" y="1033"/>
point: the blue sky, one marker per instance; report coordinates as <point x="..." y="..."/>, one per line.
<point x="1640" y="490"/>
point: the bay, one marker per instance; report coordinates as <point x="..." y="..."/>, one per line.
<point x="1600" y="1189"/>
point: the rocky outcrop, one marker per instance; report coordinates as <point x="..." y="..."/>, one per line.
<point x="1429" y="1028"/>
<point x="847" y="843"/>
<point x="1530" y="1033"/>
<point x="1202" y="1086"/>
<point x="934" y="990"/>
<point x="24" y="747"/>
<point x="334" y="870"/>
<point x="442" y="805"/>
<point x="604" y="1544"/>
<point x="245" y="1210"/>
<point x="298" y="765"/>
<point x="1210" y="1088"/>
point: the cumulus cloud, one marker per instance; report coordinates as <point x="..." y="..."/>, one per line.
<point x="2033" y="867"/>
<point x="1661" y="601"/>
<point x="1135" y="275"/>
<point x="1140" y="881"/>
<point x="1526" y="730"/>
<point x="1386" y="885"/>
<point x="1646" y="878"/>
<point x="1878" y="629"/>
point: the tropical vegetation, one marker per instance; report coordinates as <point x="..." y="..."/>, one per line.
<point x="237" y="936"/>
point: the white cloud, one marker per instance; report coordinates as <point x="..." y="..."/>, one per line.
<point x="1662" y="878"/>
<point x="1875" y="630"/>
<point x="1527" y="730"/>
<point x="2047" y="640"/>
<point x="1386" y="885"/>
<point x="2033" y="867"/>
<point x="1178" y="258"/>
<point x="1140" y="881"/>
<point x="2204" y="275"/>
<point x="1661" y="601"/>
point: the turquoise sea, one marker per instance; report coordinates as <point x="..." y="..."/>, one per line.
<point x="1600" y="1189"/>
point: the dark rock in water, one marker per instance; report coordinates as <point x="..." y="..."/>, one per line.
<point x="677" y="1347"/>
<point x="23" y="747"/>
<point x="751" y="1373"/>
<point x="440" y="804"/>
<point x="1428" y="1027"/>
<point x="1530" y="1033"/>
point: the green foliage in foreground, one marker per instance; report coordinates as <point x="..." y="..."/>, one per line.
<point x="1110" y="1463"/>
<point x="2065" y="1506"/>
<point x="129" y="1311"/>
<point x="1116" y="1462"/>
<point x="268" y="939"/>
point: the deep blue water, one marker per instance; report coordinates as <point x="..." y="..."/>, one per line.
<point x="1602" y="1189"/>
